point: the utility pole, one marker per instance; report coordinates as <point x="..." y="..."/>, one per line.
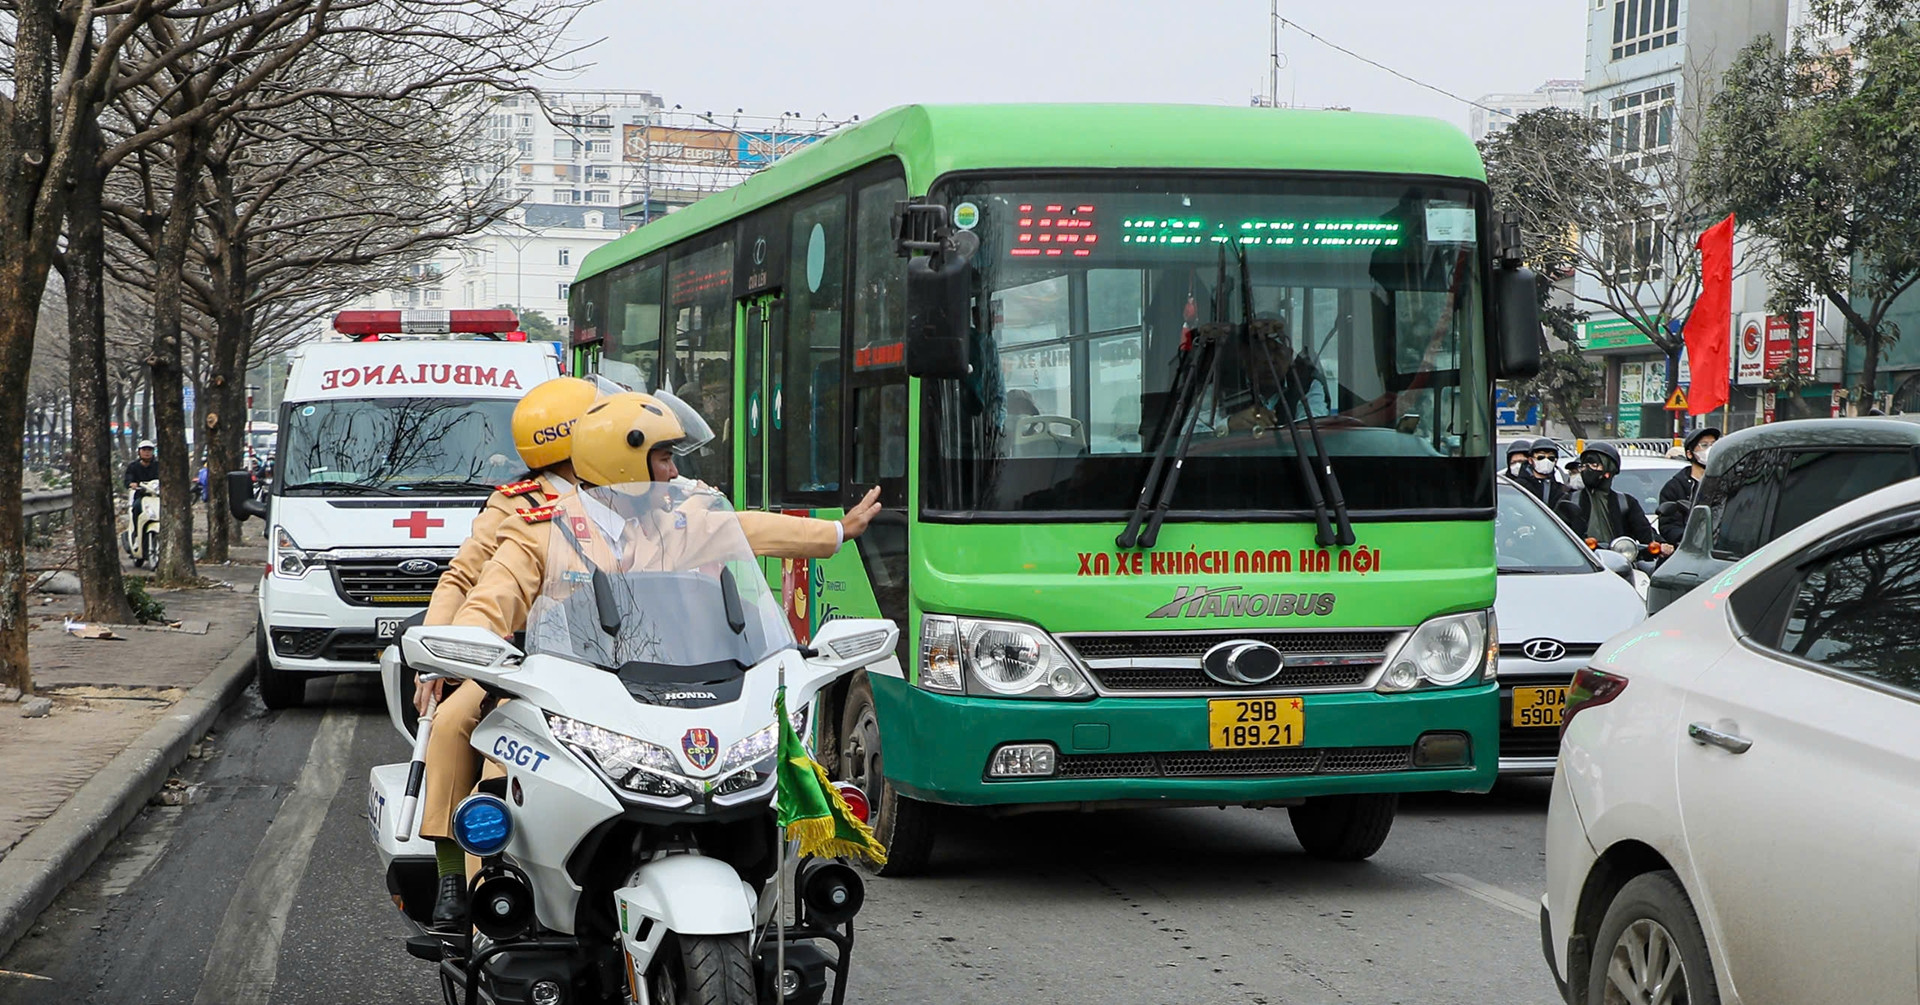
<point x="1273" y="61"/>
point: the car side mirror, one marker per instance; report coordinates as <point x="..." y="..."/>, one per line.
<point x="939" y="296"/>
<point x="1516" y="298"/>
<point x="240" y="500"/>
<point x="1615" y="563"/>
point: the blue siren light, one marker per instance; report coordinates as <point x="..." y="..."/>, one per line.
<point x="482" y="825"/>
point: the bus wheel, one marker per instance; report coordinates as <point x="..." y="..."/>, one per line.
<point x="1344" y="828"/>
<point x="903" y="825"/>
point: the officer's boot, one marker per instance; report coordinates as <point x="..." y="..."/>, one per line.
<point x="450" y="908"/>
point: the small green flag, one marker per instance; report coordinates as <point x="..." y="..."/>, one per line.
<point x="810" y="809"/>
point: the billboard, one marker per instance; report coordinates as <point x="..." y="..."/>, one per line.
<point x="729" y="148"/>
<point x="1763" y="342"/>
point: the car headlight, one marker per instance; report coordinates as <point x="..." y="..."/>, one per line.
<point x="1443" y="651"/>
<point x="289" y="559"/>
<point x="637" y="765"/>
<point x="999" y="659"/>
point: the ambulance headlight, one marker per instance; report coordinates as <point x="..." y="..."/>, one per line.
<point x="289" y="559"/>
<point x="482" y="825"/>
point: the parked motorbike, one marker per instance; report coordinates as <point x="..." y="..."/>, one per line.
<point x="141" y="539"/>
<point x="629" y="851"/>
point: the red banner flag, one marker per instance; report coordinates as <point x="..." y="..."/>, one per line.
<point x="1709" y="324"/>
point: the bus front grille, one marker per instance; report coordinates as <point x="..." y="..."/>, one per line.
<point x="1283" y="761"/>
<point x="1169" y="664"/>
<point x="1193" y="645"/>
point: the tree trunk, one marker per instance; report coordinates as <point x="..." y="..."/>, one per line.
<point x="168" y="378"/>
<point x="97" y="491"/>
<point x="1869" y="364"/>
<point x="227" y="385"/>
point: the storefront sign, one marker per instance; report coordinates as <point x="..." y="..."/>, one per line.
<point x="1613" y="333"/>
<point x="1763" y="342"/>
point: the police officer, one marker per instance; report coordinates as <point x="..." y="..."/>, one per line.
<point x="1676" y="496"/>
<point x="1595" y="510"/>
<point x="542" y="433"/>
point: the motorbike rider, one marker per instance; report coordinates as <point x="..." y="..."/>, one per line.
<point x="1542" y="476"/>
<point x="1519" y="458"/>
<point x="623" y="438"/>
<point x="1596" y="510"/>
<point x="542" y="434"/>
<point x="143" y="469"/>
<point x="1676" y="496"/>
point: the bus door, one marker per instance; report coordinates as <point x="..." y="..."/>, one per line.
<point x="757" y="413"/>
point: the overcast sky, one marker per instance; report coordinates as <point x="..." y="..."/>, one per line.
<point x="848" y="57"/>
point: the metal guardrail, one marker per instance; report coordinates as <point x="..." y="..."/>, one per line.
<point x="40" y="505"/>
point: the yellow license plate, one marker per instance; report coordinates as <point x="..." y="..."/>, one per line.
<point x="1538" y="706"/>
<point x="1249" y="723"/>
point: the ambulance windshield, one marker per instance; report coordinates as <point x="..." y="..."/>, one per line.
<point x="398" y="446"/>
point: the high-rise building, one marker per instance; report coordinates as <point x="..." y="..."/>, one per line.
<point x="1492" y="113"/>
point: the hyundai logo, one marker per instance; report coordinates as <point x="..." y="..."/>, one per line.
<point x="419" y="566"/>
<point x="1241" y="663"/>
<point x="1543" y="650"/>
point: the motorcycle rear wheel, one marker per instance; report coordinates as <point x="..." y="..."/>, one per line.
<point x="702" y="970"/>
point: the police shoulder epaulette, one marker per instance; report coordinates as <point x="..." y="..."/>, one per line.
<point x="538" y="514"/>
<point x="527" y="487"/>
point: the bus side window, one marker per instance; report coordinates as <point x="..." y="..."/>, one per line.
<point x="879" y="385"/>
<point x="700" y="307"/>
<point x="807" y="399"/>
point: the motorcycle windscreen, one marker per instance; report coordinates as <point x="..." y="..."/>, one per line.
<point x="655" y="574"/>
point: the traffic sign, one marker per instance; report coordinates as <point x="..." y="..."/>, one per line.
<point x="1677" y="401"/>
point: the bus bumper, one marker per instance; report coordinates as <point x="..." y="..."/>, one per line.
<point x="1129" y="750"/>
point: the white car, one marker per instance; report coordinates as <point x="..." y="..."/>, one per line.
<point x="1736" y="814"/>
<point x="1557" y="601"/>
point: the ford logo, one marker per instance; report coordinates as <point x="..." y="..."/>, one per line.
<point x="419" y="566"/>
<point x="1543" y="650"/>
<point x="1242" y="662"/>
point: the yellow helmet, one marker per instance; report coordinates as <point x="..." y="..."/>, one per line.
<point x="543" y="421"/>
<point x="611" y="442"/>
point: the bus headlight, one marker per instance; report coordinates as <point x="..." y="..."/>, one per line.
<point x="1442" y="652"/>
<point x="997" y="659"/>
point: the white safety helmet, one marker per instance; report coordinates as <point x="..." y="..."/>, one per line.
<point x="145" y="445"/>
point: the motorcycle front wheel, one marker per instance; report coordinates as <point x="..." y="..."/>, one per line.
<point x="702" y="970"/>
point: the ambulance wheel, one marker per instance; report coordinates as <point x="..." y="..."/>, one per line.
<point x="278" y="689"/>
<point x="905" y="826"/>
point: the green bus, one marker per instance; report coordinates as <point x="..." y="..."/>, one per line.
<point x="1183" y="423"/>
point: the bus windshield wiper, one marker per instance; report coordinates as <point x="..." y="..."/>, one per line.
<point x="1327" y="534"/>
<point x="1190" y="380"/>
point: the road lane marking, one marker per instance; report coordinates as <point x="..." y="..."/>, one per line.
<point x="1489" y="893"/>
<point x="244" y="959"/>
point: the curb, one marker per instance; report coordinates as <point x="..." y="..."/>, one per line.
<point x="64" y="845"/>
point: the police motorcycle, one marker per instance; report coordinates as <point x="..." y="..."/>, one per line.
<point x="141" y="539"/>
<point x="630" y="854"/>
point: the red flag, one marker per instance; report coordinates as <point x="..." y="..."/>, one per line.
<point x="1709" y="323"/>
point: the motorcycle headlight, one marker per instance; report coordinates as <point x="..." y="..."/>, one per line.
<point x="752" y="749"/>
<point x="1000" y="659"/>
<point x="289" y="559"/>
<point x="1442" y="652"/>
<point x="637" y="765"/>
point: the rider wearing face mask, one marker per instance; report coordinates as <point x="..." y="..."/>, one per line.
<point x="1542" y="477"/>
<point x="1595" y="510"/>
<point x="1519" y="458"/>
<point x="1685" y="482"/>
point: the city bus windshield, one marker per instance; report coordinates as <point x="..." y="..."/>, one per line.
<point x="391" y="446"/>
<point x="1365" y="318"/>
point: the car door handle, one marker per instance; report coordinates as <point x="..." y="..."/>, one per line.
<point x="1703" y="734"/>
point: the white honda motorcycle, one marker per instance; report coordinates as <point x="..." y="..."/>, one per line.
<point x="630" y="852"/>
<point x="141" y="539"/>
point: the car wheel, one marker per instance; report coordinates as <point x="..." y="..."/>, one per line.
<point x="278" y="688"/>
<point x="1344" y="828"/>
<point x="905" y="826"/>
<point x="1650" y="948"/>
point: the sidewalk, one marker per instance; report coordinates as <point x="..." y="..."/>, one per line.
<point x="125" y="712"/>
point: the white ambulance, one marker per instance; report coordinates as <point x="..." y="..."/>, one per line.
<point x="387" y="448"/>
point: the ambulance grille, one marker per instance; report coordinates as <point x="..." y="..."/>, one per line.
<point x="380" y="583"/>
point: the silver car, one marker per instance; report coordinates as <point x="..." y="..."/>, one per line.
<point x="1558" y="600"/>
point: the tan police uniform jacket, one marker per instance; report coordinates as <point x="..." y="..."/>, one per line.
<point x="464" y="570"/>
<point x="513" y="577"/>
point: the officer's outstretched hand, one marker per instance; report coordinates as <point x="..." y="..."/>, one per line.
<point x="855" y="522"/>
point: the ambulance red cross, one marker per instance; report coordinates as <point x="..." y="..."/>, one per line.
<point x="389" y="442"/>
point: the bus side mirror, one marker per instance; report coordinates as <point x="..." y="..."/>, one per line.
<point x="939" y="299"/>
<point x="1517" y="313"/>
